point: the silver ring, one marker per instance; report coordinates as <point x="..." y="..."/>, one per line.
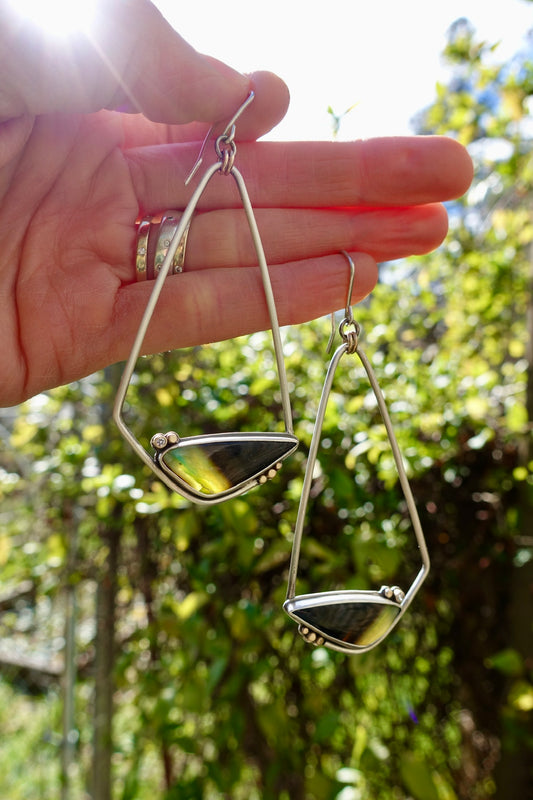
<point x="154" y="235"/>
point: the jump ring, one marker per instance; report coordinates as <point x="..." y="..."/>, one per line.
<point x="350" y="337"/>
<point x="225" y="149"/>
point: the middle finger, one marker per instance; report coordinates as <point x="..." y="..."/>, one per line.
<point x="395" y="171"/>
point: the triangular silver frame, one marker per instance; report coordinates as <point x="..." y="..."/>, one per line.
<point x="225" y="149"/>
<point x="295" y="604"/>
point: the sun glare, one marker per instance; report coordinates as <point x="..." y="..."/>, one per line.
<point x="57" y="17"/>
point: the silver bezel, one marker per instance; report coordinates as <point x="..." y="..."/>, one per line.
<point x="178" y="484"/>
<point x="347" y="597"/>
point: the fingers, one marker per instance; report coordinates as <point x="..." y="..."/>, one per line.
<point x="131" y="58"/>
<point x="157" y="72"/>
<point x="396" y="171"/>
<point x="268" y="108"/>
<point x="219" y="239"/>
<point x="204" y="304"/>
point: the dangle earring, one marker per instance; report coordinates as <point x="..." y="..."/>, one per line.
<point x="208" y="469"/>
<point x="350" y="621"/>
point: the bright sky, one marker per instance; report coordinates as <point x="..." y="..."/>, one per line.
<point x="383" y="55"/>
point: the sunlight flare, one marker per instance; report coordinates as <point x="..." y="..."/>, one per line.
<point x="60" y="18"/>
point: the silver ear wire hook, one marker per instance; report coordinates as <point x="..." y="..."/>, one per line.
<point x="348" y="313"/>
<point x="226" y="136"/>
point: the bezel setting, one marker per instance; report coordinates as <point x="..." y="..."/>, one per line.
<point x="370" y="630"/>
<point x="243" y="460"/>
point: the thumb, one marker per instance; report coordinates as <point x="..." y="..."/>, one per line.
<point x="130" y="57"/>
<point x="160" y="74"/>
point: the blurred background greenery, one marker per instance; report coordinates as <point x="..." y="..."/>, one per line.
<point x="143" y="650"/>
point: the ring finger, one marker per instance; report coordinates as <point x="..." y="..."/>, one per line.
<point x="222" y="238"/>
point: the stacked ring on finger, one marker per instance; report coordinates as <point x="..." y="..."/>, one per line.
<point x="154" y="235"/>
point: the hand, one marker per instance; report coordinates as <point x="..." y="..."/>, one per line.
<point x="75" y="175"/>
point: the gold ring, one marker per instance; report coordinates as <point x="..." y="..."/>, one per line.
<point x="141" y="255"/>
<point x="154" y="235"/>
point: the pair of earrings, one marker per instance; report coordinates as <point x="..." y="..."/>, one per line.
<point x="209" y="469"/>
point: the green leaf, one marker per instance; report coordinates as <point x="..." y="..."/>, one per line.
<point x="521" y="696"/>
<point x="516" y="417"/>
<point x="187" y="529"/>
<point x="360" y="743"/>
<point x="326" y="726"/>
<point x="216" y="671"/>
<point x="418" y="777"/>
<point x="5" y="549"/>
<point x="277" y="554"/>
<point x="190" y="605"/>
<point x="508" y="661"/>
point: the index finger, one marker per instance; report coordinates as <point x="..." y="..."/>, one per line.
<point x="392" y="171"/>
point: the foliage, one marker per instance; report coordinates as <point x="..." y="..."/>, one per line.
<point x="215" y="694"/>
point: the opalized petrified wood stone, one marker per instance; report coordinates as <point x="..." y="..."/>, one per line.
<point x="221" y="464"/>
<point x="360" y="623"/>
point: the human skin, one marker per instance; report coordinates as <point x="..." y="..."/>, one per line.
<point x="97" y="132"/>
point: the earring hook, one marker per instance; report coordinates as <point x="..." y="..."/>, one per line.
<point x="348" y="313"/>
<point x="228" y="133"/>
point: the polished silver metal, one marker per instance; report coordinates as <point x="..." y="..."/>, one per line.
<point x="225" y="143"/>
<point x="167" y="227"/>
<point x="149" y="256"/>
<point x="294" y="605"/>
<point x="228" y="133"/>
<point x="240" y="442"/>
<point x="348" y="313"/>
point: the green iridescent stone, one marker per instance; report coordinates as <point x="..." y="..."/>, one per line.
<point x="222" y="464"/>
<point x="360" y="623"/>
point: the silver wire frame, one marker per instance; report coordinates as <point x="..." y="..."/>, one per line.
<point x="149" y="311"/>
<point x="292" y="601"/>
